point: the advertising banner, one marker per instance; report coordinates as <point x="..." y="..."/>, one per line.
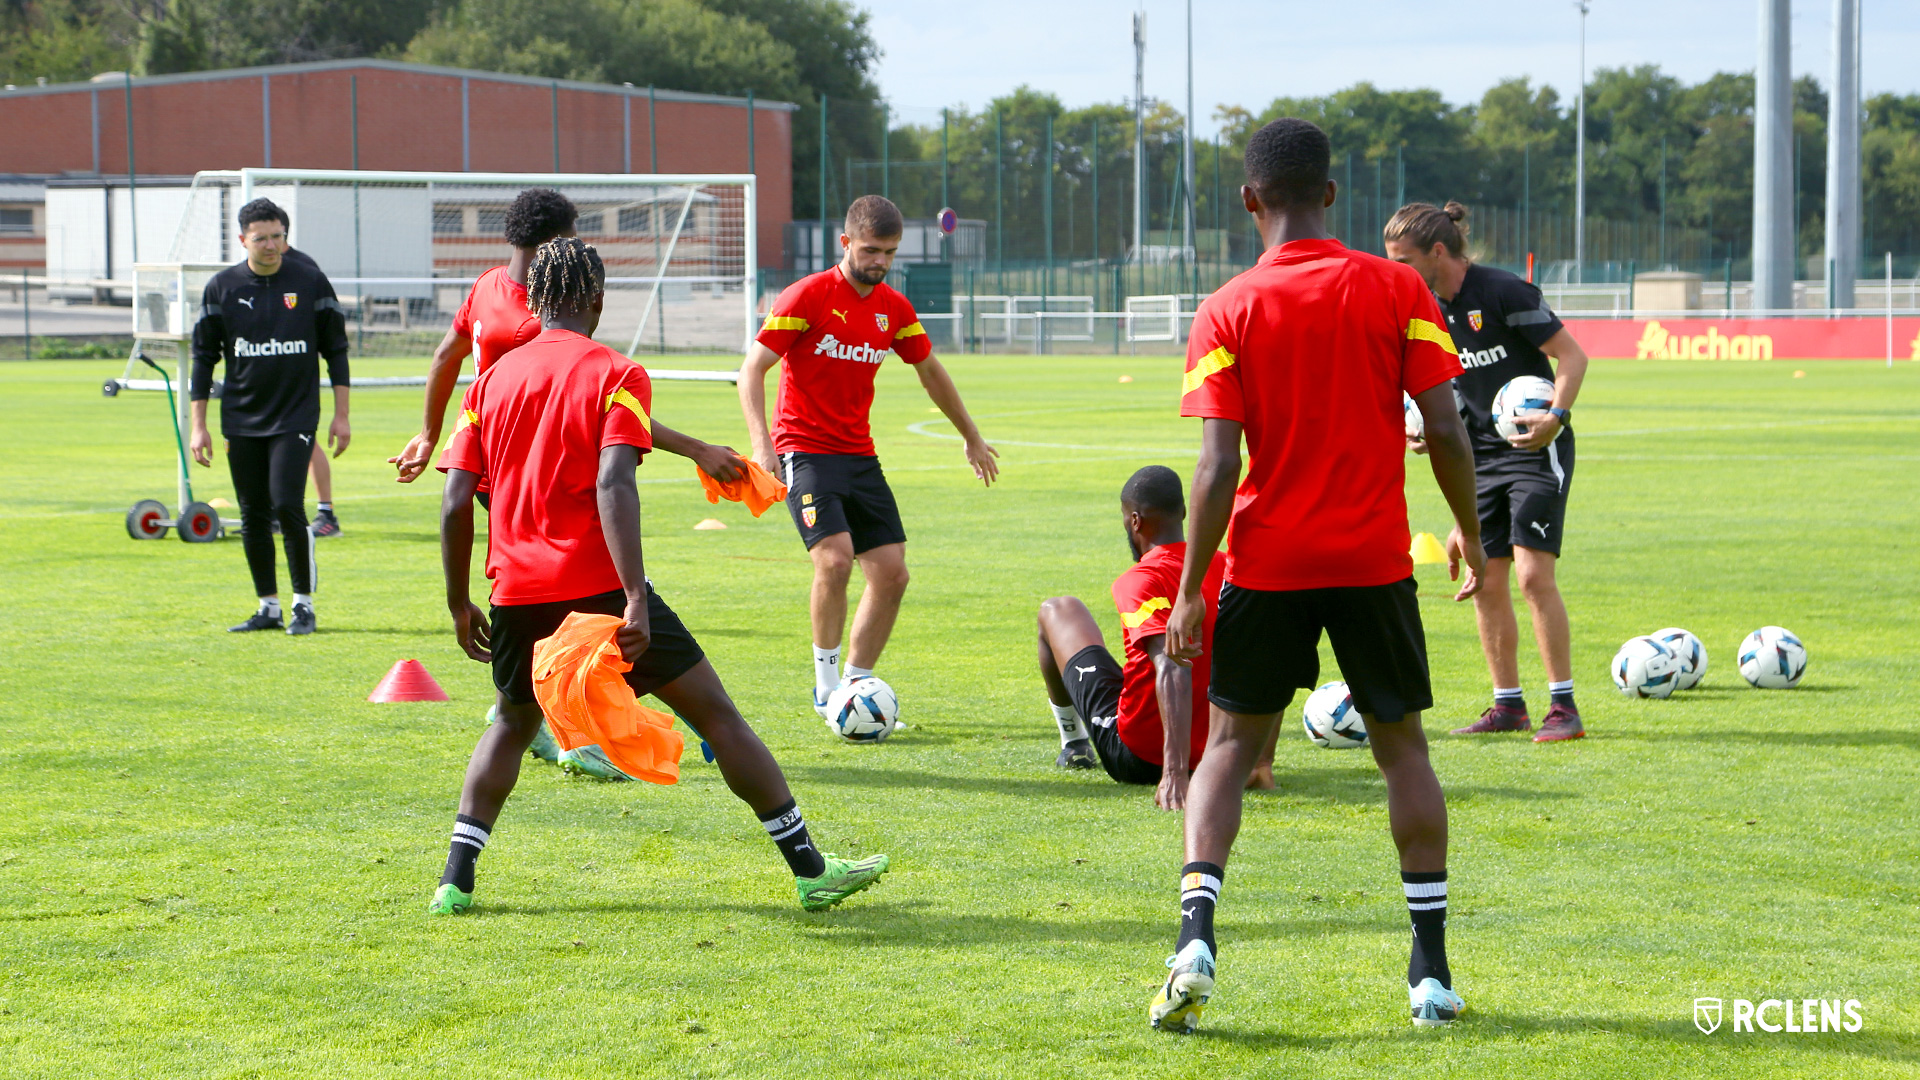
<point x="1856" y="337"/>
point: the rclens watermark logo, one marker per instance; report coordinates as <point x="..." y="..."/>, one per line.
<point x="1802" y="1016"/>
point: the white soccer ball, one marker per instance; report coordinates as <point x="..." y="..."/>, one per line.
<point x="1526" y="394"/>
<point x="863" y="710"/>
<point x="1773" y="659"/>
<point x="1690" y="650"/>
<point x="1416" y="423"/>
<point x="1645" y="668"/>
<point x="1331" y="720"/>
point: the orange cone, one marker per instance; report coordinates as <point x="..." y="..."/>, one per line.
<point x="408" y="681"/>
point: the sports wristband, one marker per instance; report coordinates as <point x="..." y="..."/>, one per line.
<point x="1560" y="415"/>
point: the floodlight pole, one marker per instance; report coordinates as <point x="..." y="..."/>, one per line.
<point x="1580" y="156"/>
<point x="1139" y="132"/>
<point x="1843" y="156"/>
<point x="1773" y="160"/>
<point x="1187" y="222"/>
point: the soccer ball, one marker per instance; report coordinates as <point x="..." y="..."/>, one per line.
<point x="1646" y="668"/>
<point x="1331" y="720"/>
<point x="1773" y="659"/>
<point x="1692" y="654"/>
<point x="862" y="710"/>
<point x="1416" y="425"/>
<point x="1528" y="393"/>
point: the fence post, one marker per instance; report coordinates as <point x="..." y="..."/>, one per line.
<point x="653" y="135"/>
<point x="1046" y="289"/>
<point x="750" y="147"/>
<point x="824" y="264"/>
<point x="359" y="287"/>
<point x="26" y="315"/>
<point x="886" y="163"/>
<point x="999" y="214"/>
<point x="553" y="98"/>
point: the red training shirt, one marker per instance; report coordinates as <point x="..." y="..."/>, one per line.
<point x="833" y="341"/>
<point x="533" y="426"/>
<point x="1310" y="350"/>
<point x="1144" y="595"/>
<point x="495" y="318"/>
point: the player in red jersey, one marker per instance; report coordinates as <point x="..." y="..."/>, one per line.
<point x="1147" y="721"/>
<point x="560" y="432"/>
<point x="834" y="329"/>
<point x="1307" y="355"/>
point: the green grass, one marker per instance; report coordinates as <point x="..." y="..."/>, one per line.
<point x="214" y="853"/>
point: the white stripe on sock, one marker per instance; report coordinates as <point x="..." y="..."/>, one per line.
<point x="797" y="826"/>
<point x="1424" y="888"/>
<point x="1437" y="905"/>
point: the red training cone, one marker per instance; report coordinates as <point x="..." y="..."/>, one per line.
<point x="408" y="681"/>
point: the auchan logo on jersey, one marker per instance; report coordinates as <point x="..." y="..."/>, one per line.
<point x="840" y="350"/>
<point x="275" y="347"/>
<point x="1658" y="343"/>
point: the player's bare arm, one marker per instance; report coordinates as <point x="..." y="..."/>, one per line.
<point x="720" y="462"/>
<point x="456" y="562"/>
<point x="619" y="503"/>
<point x="1173" y="686"/>
<point x="1209" y="508"/>
<point x="340" y="432"/>
<point x="940" y="389"/>
<point x="442" y="376"/>
<point x="753" y="403"/>
<point x="1570" y="370"/>
<point x="1451" y="455"/>
<point x="200" y="440"/>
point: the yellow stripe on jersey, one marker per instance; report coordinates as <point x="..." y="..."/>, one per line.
<point x="912" y="329"/>
<point x="1422" y="330"/>
<point x="620" y="396"/>
<point x="468" y="418"/>
<point x="785" y="322"/>
<point x="1132" y="619"/>
<point x="1217" y="360"/>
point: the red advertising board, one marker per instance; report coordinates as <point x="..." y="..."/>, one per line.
<point x="1855" y="337"/>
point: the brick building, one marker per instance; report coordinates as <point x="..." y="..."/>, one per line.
<point x="382" y="114"/>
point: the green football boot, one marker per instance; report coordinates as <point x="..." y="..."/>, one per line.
<point x="841" y="879"/>
<point x="449" y="900"/>
<point x="1182" y="998"/>
<point x="590" y="761"/>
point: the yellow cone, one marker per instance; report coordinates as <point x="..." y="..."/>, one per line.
<point x="1126" y="378"/>
<point x="1427" y="549"/>
<point x="710" y="524"/>
<point x="220" y="504"/>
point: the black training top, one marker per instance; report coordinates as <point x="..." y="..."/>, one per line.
<point x="271" y="331"/>
<point x="1498" y="322"/>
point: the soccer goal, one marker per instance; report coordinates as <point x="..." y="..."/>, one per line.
<point x="402" y="248"/>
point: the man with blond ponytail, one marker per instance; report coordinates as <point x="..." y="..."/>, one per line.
<point x="557" y="429"/>
<point x="1505" y="330"/>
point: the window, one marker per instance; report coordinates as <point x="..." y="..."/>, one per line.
<point x="493" y="222"/>
<point x="451" y="222"/>
<point x="16" y="221"/>
<point x="633" y="219"/>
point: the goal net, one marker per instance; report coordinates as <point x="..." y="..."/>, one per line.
<point x="403" y="248"/>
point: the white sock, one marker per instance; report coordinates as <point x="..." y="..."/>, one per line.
<point x="326" y="506"/>
<point x="826" y="668"/>
<point x="1071" y="729"/>
<point x="270" y="605"/>
<point x="303" y="598"/>
<point x="854" y="672"/>
<point x="1560" y="687"/>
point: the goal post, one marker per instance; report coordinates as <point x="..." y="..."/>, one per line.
<point x="403" y="248"/>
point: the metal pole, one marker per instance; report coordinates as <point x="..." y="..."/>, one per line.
<point x="133" y="193"/>
<point x="1889" y="308"/>
<point x="1187" y="222"/>
<point x="823" y="183"/>
<point x="653" y="135"/>
<point x="1580" y="158"/>
<point x="1526" y="195"/>
<point x="1350" y="202"/>
<point x="1663" y="200"/>
<point x="466" y="131"/>
<point x="750" y="143"/>
<point x="1047" y="217"/>
<point x="1399" y="176"/>
<point x="1773" y="160"/>
<point x="1139" y="132"/>
<point x="359" y="287"/>
<point x="999" y="217"/>
<point x="1843" y="156"/>
<point x="1096" y="195"/>
<point x="945" y="240"/>
<point x="26" y="314"/>
<point x="886" y="166"/>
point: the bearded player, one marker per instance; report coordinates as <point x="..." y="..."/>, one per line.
<point x="834" y="329"/>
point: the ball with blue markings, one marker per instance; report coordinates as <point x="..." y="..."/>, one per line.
<point x="1691" y="651"/>
<point x="1526" y="394"/>
<point x="863" y="710"/>
<point x="1772" y="658"/>
<point x="1646" y="668"/>
<point x="1331" y="719"/>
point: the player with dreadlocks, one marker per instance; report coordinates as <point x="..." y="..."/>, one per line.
<point x="558" y="432"/>
<point x="496" y="319"/>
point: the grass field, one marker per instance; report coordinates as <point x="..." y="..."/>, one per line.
<point x="215" y="853"/>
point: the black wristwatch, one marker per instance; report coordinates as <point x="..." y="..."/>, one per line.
<point x="1560" y="415"/>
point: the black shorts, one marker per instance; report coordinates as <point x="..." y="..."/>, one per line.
<point x="517" y="627"/>
<point x="1266" y="645"/>
<point x="1093" y="681"/>
<point x="1523" y="498"/>
<point x="841" y="493"/>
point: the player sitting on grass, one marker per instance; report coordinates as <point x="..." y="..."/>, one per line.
<point x="493" y="321"/>
<point x="1306" y="356"/>
<point x="1147" y="720"/>
<point x="558" y="431"/>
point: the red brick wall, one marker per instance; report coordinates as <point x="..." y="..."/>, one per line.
<point x="408" y="120"/>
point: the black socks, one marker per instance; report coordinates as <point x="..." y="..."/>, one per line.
<point x="789" y="831"/>
<point x="1199" y="892"/>
<point x="1427" y="905"/>
<point x="470" y="836"/>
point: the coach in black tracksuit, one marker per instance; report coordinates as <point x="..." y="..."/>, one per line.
<point x="271" y="318"/>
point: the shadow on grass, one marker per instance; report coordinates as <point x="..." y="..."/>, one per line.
<point x="1093" y="785"/>
<point x="1363" y="785"/>
<point x="1908" y="739"/>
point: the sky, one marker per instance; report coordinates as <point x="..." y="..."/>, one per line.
<point x="1251" y="51"/>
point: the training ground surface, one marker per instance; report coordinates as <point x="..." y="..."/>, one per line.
<point x="215" y="854"/>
